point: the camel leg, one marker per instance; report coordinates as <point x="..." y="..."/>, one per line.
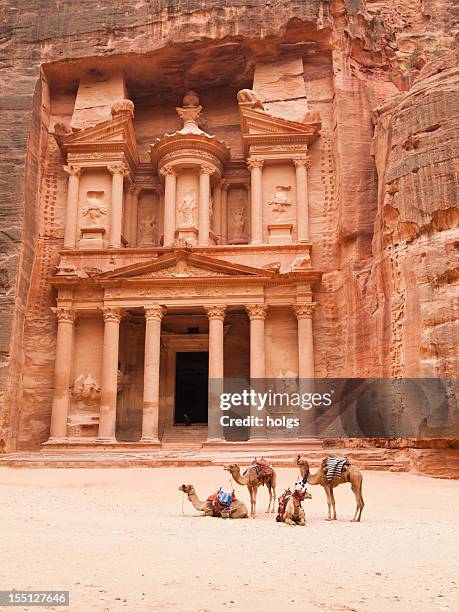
<point x="288" y="521"/>
<point x="273" y="486"/>
<point x="272" y="499"/>
<point x="332" y="495"/>
<point x="253" y="501"/>
<point x="329" y="502"/>
<point x="357" y="490"/>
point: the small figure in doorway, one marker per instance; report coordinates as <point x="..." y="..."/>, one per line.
<point x="187" y="419"/>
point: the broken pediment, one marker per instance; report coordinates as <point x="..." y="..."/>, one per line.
<point x="259" y="128"/>
<point x="182" y="265"/>
<point x="114" y="136"/>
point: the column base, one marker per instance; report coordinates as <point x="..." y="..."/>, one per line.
<point x="53" y="440"/>
<point x="106" y="441"/>
<point x="150" y="441"/>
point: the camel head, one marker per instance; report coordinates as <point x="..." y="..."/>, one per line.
<point x="303" y="465"/>
<point x="188" y="489"/>
<point x="300" y="491"/>
<point x="231" y="467"/>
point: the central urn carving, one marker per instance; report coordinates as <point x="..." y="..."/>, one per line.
<point x="191" y="163"/>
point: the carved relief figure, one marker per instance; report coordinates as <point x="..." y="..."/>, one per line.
<point x="147" y="229"/>
<point x="187" y="208"/>
<point x="86" y="389"/>
<point x="94" y="211"/>
<point x="238" y="222"/>
<point x="280" y="201"/>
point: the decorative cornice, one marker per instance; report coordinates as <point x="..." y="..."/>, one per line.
<point x="304" y="310"/>
<point x="72" y="170"/>
<point x="64" y="314"/>
<point x="154" y="313"/>
<point x="255" y="163"/>
<point x="112" y="314"/>
<point x="215" y="312"/>
<point x="257" y="311"/>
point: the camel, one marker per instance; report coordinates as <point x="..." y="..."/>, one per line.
<point x="351" y="474"/>
<point x="236" y="510"/>
<point x="253" y="478"/>
<point x="292" y="513"/>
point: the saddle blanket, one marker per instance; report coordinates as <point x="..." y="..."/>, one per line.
<point x="221" y="501"/>
<point x="334" y="467"/>
<point x="263" y="467"/>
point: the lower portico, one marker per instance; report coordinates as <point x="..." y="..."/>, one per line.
<point x="119" y="335"/>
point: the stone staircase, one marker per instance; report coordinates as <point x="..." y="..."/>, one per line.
<point x="182" y="438"/>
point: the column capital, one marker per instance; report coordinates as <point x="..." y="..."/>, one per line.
<point x="72" y="170"/>
<point x="255" y="163"/>
<point x="118" y="168"/>
<point x="304" y="310"/>
<point x="215" y="312"/>
<point x="256" y="311"/>
<point x="154" y="313"/>
<point x="112" y="314"/>
<point x="302" y="161"/>
<point x="167" y="171"/>
<point x="133" y="190"/>
<point x="64" y="314"/>
<point x="206" y="169"/>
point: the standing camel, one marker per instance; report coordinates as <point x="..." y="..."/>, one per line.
<point x="236" y="509"/>
<point x="350" y="474"/>
<point x="252" y="478"/>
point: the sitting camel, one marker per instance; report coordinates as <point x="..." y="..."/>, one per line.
<point x="290" y="509"/>
<point x="258" y="474"/>
<point x="349" y="474"/>
<point x="236" y="510"/>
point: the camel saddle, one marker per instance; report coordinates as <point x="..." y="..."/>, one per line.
<point x="335" y="466"/>
<point x="221" y="501"/>
<point x="264" y="469"/>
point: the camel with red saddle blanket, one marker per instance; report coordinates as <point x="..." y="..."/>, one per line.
<point x="290" y="510"/>
<point x="330" y="474"/>
<point x="216" y="505"/>
<point x="259" y="473"/>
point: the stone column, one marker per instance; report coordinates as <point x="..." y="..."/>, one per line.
<point x="224" y="215"/>
<point x="170" y="188"/>
<point x="216" y="316"/>
<point x="71" y="213"/>
<point x="217" y="218"/>
<point x="134" y="191"/>
<point x="62" y="370"/>
<point x="303" y="312"/>
<point x="150" y="416"/>
<point x="116" y="213"/>
<point x="302" y="205"/>
<point x="107" y="417"/>
<point x="256" y="205"/>
<point x="203" y="212"/>
<point x="257" y="315"/>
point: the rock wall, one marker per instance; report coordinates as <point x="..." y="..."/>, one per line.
<point x="386" y="205"/>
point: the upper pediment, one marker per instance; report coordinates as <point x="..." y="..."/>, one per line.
<point x="114" y="135"/>
<point x="260" y="128"/>
<point x="183" y="264"/>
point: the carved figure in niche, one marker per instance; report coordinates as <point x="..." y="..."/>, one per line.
<point x="85" y="389"/>
<point x="147" y="230"/>
<point x="190" y="99"/>
<point x="94" y="211"/>
<point x="248" y="96"/>
<point x="187" y="207"/>
<point x="211" y="209"/>
<point x="238" y="222"/>
<point x="181" y="270"/>
<point x="280" y="201"/>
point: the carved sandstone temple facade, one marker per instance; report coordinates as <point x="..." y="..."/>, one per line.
<point x="178" y="271"/>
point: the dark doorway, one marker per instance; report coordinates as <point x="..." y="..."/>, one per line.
<point x="191" y="382"/>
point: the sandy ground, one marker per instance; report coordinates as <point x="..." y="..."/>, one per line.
<point x="117" y="540"/>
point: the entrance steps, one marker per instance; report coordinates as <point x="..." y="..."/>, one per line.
<point x="183" y="438"/>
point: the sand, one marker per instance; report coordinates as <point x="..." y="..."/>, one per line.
<point x="117" y="540"/>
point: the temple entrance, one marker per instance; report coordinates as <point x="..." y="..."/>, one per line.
<point x="191" y="387"/>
